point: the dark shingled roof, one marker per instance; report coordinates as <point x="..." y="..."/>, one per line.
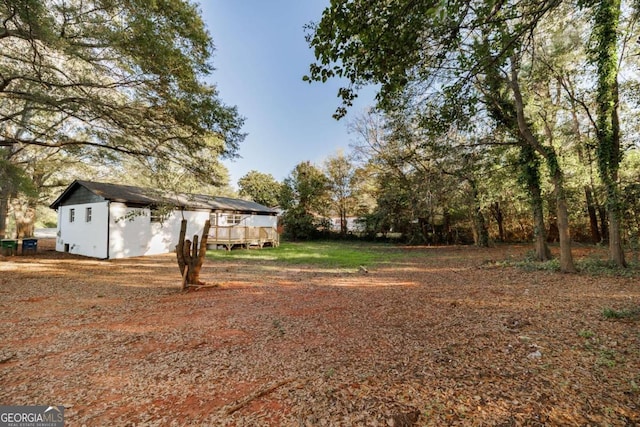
<point x="152" y="197"/>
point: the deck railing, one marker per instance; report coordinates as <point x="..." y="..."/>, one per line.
<point x="243" y="236"/>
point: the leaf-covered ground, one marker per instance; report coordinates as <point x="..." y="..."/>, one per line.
<point x="437" y="336"/>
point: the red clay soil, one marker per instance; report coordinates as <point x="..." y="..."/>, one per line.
<point x="441" y="336"/>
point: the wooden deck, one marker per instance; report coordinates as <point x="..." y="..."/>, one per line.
<point x="247" y="237"/>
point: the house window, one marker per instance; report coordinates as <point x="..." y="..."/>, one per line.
<point x="72" y="215"/>
<point x="234" y="219"/>
<point x="156" y="215"/>
<point x="87" y="215"/>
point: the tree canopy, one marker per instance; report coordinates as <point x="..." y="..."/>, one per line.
<point x="122" y="76"/>
<point x="260" y="187"/>
<point x="97" y="81"/>
<point x="304" y="198"/>
<point x="489" y="67"/>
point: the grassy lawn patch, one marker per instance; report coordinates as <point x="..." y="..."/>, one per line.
<point x="326" y="254"/>
<point x="592" y="264"/>
<point x="632" y="313"/>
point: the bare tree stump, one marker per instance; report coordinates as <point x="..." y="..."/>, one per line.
<point x="191" y="255"/>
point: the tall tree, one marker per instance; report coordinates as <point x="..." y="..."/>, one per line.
<point x="13" y="181"/>
<point x="260" y="187"/>
<point x="117" y="77"/>
<point x="500" y="107"/>
<point x="557" y="177"/>
<point x="304" y="198"/>
<point x="604" y="54"/>
<point x="340" y="179"/>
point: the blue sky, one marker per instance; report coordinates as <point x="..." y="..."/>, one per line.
<point x="260" y="58"/>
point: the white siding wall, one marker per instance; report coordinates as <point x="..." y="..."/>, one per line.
<point x="83" y="237"/>
<point x="129" y="232"/>
<point x="133" y="234"/>
<point x="247" y="220"/>
<point x="262" y="221"/>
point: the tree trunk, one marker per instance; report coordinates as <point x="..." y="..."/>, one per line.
<point x="616" y="253"/>
<point x="614" y="201"/>
<point x="531" y="176"/>
<point x="497" y="214"/>
<point x="481" y="233"/>
<point x="447" y="235"/>
<point x="539" y="231"/>
<point x="191" y="255"/>
<point x="481" y="228"/>
<point x="593" y="217"/>
<point x="606" y="32"/>
<point x="4" y="212"/>
<point x="585" y="158"/>
<point x="604" y="223"/>
<point x="25" y="218"/>
<point x="343" y="221"/>
<point x="511" y="114"/>
<point x="566" y="257"/>
<point x="7" y="194"/>
<point x="423" y="223"/>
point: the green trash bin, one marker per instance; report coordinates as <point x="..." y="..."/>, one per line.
<point x="29" y="245"/>
<point x="9" y="246"/>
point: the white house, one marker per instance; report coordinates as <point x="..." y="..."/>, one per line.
<point x="110" y="221"/>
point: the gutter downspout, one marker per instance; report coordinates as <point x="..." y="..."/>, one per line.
<point x="108" y="227"/>
<point x="59" y="234"/>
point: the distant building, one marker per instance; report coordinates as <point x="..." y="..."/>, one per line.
<point x="353" y="224"/>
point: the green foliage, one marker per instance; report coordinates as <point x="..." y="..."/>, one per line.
<point x="304" y="197"/>
<point x="631" y="212"/>
<point x="430" y="87"/>
<point x="357" y="34"/>
<point x="300" y="224"/>
<point x="591" y="266"/>
<point x="598" y="267"/>
<point x="342" y="255"/>
<point x="604" y="54"/>
<point x="607" y="358"/>
<point x="340" y="173"/>
<point x="13" y="179"/>
<point x="90" y="87"/>
<point x="531" y="263"/>
<point x="393" y="44"/>
<point x="260" y="187"/>
<point x="586" y="334"/>
<point x="118" y="76"/>
<point x="306" y="187"/>
<point x="632" y="313"/>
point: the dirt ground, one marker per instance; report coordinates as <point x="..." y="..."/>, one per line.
<point x="441" y="336"/>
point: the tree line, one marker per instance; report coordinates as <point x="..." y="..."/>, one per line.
<point x="495" y="120"/>
<point x="542" y="93"/>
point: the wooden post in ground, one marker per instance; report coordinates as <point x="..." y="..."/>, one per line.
<point x="191" y="255"/>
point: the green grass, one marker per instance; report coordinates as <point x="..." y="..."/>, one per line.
<point x="591" y="266"/>
<point x="632" y="313"/>
<point x="332" y="254"/>
<point x="584" y="333"/>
